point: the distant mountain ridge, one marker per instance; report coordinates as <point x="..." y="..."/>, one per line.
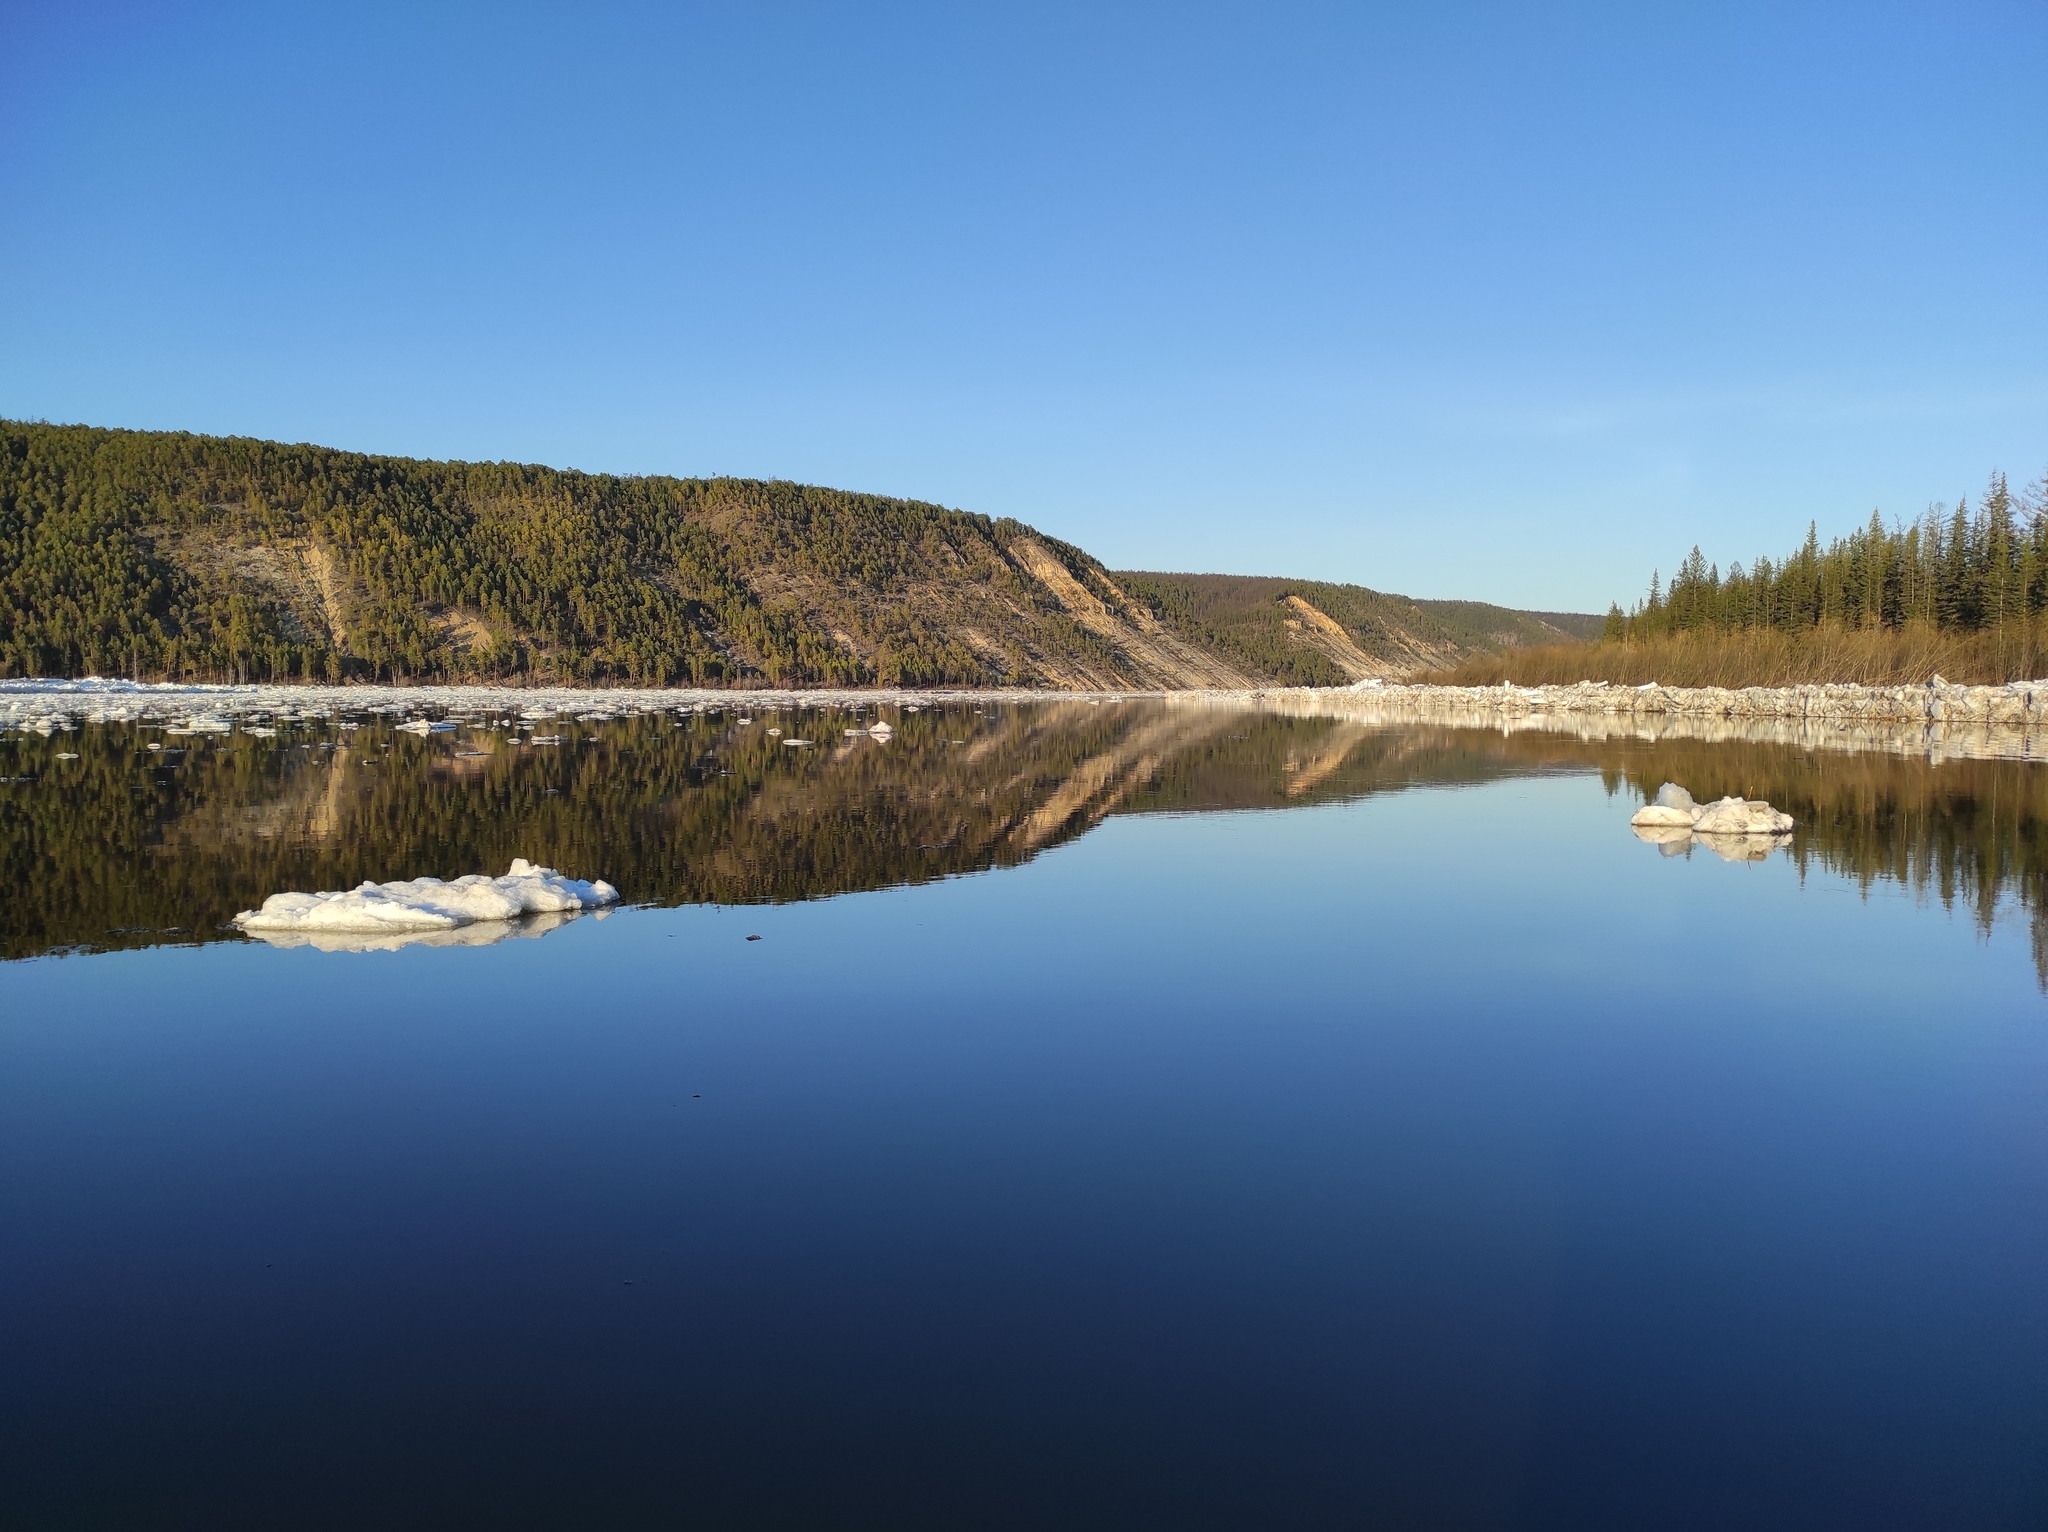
<point x="1313" y="633"/>
<point x="196" y="557"/>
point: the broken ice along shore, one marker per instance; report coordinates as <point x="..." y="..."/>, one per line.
<point x="1937" y="718"/>
<point x="425" y="906"/>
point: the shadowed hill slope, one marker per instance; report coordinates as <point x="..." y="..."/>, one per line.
<point x="168" y="555"/>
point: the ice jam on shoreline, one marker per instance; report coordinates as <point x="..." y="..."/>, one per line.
<point x="428" y="904"/>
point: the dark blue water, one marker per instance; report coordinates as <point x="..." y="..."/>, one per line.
<point x="1443" y="1158"/>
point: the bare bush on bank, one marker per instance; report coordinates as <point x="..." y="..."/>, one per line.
<point x="1827" y="653"/>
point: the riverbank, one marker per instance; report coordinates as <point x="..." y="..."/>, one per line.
<point x="1936" y="719"/>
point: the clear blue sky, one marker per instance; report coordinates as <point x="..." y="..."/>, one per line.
<point x="1456" y="300"/>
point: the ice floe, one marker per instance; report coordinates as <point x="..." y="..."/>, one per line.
<point x="428" y="904"/>
<point x="1734" y="829"/>
<point x="1738" y="816"/>
<point x="1673" y="808"/>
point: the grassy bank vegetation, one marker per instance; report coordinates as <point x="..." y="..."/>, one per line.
<point x="1824" y="653"/>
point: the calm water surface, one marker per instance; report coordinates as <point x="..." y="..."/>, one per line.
<point x="1129" y="1117"/>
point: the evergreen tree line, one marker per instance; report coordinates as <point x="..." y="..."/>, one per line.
<point x="1962" y="569"/>
<point x="165" y="555"/>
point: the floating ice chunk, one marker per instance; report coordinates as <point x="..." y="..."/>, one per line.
<point x="1672" y="808"/>
<point x="428" y="904"/>
<point x="425" y="726"/>
<point x="1672" y="796"/>
<point x="1738" y="816"/>
<point x="1664" y="816"/>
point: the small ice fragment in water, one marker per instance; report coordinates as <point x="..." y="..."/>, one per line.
<point x="66" y="755"/>
<point x="1672" y="808"/>
<point x="428" y="904"/>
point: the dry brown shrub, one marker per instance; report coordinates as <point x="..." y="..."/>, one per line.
<point x="1766" y="657"/>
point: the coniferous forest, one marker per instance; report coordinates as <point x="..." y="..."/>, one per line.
<point x="166" y="555"/>
<point x="169" y="556"/>
<point x="1962" y="593"/>
<point x="1957" y="569"/>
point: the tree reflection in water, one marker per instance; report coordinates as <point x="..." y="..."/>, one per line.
<point x="129" y="847"/>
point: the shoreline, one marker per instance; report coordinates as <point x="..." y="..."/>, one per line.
<point x="1937" y="720"/>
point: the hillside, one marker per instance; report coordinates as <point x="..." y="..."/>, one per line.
<point x="163" y="554"/>
<point x="1307" y="633"/>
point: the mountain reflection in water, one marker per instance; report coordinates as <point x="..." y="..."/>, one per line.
<point x="128" y="847"/>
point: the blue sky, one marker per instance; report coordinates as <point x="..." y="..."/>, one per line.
<point x="1479" y="301"/>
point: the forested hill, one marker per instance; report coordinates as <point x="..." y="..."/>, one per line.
<point x="166" y="555"/>
<point x="1309" y="633"/>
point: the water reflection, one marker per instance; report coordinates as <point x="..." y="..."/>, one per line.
<point x="143" y="838"/>
<point x="1677" y="840"/>
<point x="480" y="933"/>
